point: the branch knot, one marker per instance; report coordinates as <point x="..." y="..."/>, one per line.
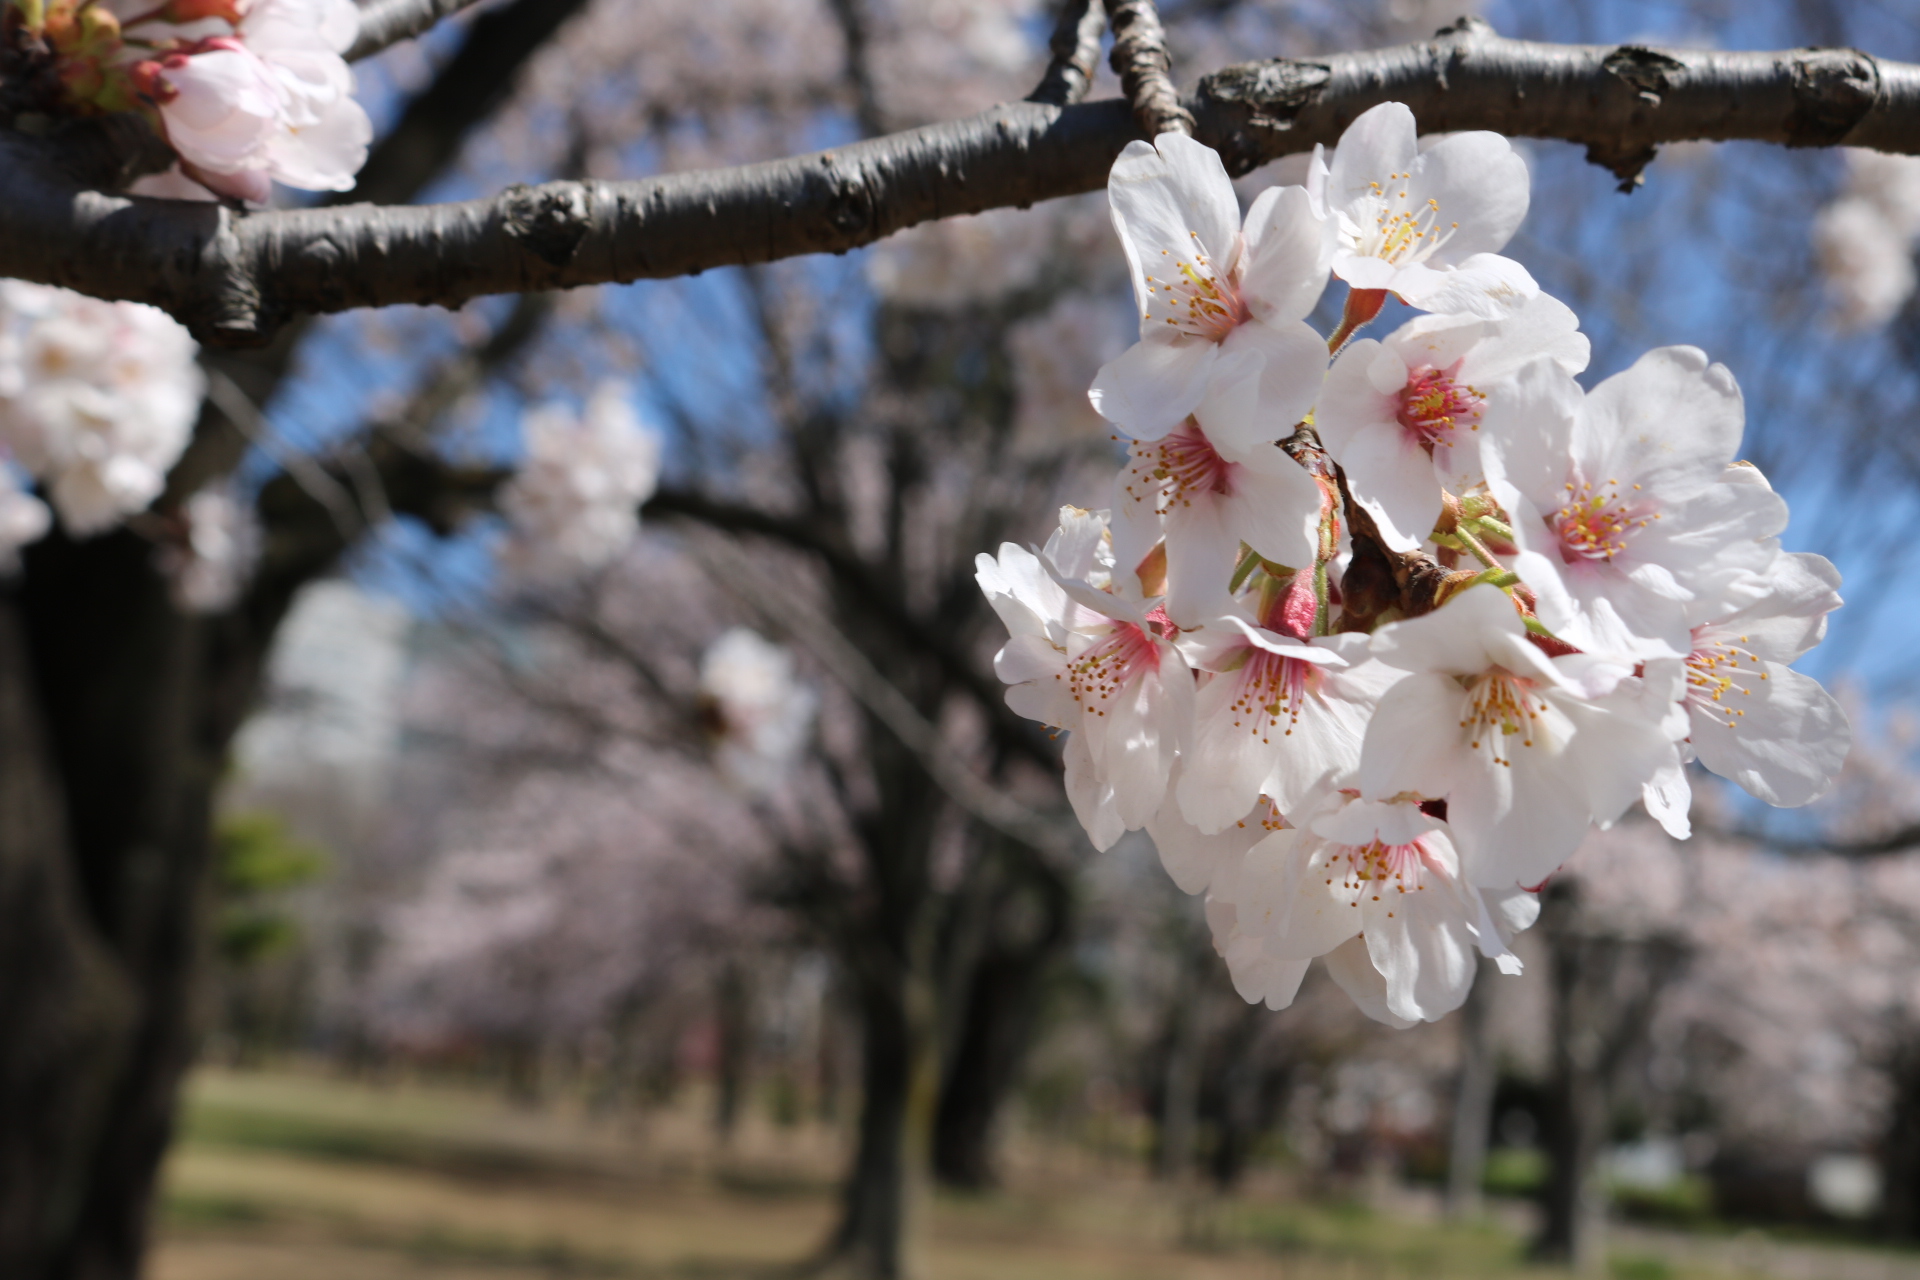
<point x="548" y="221"/>
<point x="1833" y="89"/>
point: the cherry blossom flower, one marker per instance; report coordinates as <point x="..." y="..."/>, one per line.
<point x="759" y="714"/>
<point x="1210" y="489"/>
<point x="1402" y="417"/>
<point x="1425" y="224"/>
<point x="209" y="566"/>
<point x="97" y="399"/>
<point x="1526" y="750"/>
<point x="1622" y="502"/>
<point x="1207" y="287"/>
<point x="1099" y="664"/>
<point x="270" y="102"/>
<point x="1755" y="721"/>
<point x="1386" y="873"/>
<point x="574" y="504"/>
<point x="1276" y="716"/>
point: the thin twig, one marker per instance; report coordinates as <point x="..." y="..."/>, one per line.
<point x="852" y="16"/>
<point x="300" y="466"/>
<point x="737" y="574"/>
<point x="1075" y="47"/>
<point x="1141" y="61"/>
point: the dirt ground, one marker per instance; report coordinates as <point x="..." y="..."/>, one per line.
<point x="291" y="1175"/>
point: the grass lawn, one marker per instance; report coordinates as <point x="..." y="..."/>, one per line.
<point x="289" y="1175"/>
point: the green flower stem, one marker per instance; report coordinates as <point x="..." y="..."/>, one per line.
<point x="1249" y="558"/>
<point x="1478" y="548"/>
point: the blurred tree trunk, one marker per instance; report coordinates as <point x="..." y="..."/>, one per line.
<point x="1179" y="1111"/>
<point x="1248" y="1089"/>
<point x="1900" y="1146"/>
<point x="1001" y="993"/>
<point x="119" y="712"/>
<point x="1472" y="1099"/>
<point x="1606" y="984"/>
<point x="883" y="933"/>
<point x="895" y="1056"/>
<point x="733" y="1007"/>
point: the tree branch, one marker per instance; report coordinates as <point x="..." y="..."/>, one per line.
<point x="388" y="22"/>
<point x="1897" y="841"/>
<point x="1141" y="61"/>
<point x="1075" y="47"/>
<point x="234" y="277"/>
<point x="1013" y="733"/>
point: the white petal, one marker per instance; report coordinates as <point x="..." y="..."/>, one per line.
<point x="1288" y="251"/>
<point x="1392" y="477"/>
<point x="1352" y="969"/>
<point x="1524" y="438"/>
<point x="1382" y="140"/>
<point x="1150" y="388"/>
<point x="1240" y="414"/>
<point x="1276" y="512"/>
<point x="1424" y="951"/>
<point x="1480" y="189"/>
<point x="1669" y="798"/>
<point x="1788" y="746"/>
<point x="1361" y="390"/>
<point x="1411" y="740"/>
<point x="1671" y="421"/>
<point x="1192" y="857"/>
<point x="1172" y="202"/>
<point x="1485" y="285"/>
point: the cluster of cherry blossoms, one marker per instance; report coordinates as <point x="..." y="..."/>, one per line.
<point x="246" y="92"/>
<point x="1367" y="641"/>
<point x="574" y="504"/>
<point x="97" y="400"/>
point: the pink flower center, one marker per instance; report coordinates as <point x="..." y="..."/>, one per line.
<point x="1433" y="406"/>
<point x="1197" y="302"/>
<point x="1112" y="664"/>
<point x="1272" y="688"/>
<point x="1377" y="868"/>
<point x="1597" y="522"/>
<point x="1501" y="706"/>
<point x="1174" y="469"/>
<point x="1714" y="671"/>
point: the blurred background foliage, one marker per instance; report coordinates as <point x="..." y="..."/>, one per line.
<point x="538" y="962"/>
